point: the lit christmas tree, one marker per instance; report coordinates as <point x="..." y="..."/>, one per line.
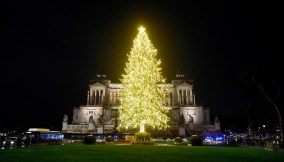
<point x="142" y="100"/>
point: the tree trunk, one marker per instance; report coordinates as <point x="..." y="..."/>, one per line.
<point x="142" y="126"/>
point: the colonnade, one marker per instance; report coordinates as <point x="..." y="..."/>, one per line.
<point x="96" y="97"/>
<point x="185" y="97"/>
<point x="179" y="96"/>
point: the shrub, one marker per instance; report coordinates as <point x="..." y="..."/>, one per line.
<point x="195" y="141"/>
<point x="89" y="140"/>
<point x="128" y="138"/>
<point x="19" y="142"/>
<point x="27" y="141"/>
<point x="8" y="142"/>
<point x="109" y="139"/>
<point x="269" y="145"/>
<point x="142" y="138"/>
<point x="178" y="140"/>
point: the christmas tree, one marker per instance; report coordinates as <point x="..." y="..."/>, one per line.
<point x="143" y="101"/>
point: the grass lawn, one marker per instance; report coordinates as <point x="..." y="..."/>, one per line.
<point x="114" y="152"/>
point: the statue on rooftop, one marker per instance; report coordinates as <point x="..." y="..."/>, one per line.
<point x="65" y="119"/>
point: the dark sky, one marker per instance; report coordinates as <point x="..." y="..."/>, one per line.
<point x="50" y="51"/>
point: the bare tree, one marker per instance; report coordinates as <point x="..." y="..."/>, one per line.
<point x="274" y="105"/>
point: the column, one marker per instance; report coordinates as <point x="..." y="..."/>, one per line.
<point x="190" y="97"/>
<point x="100" y="95"/>
<point x="179" y="100"/>
<point x="115" y="98"/>
<point x="186" y="94"/>
<point x="111" y="98"/>
<point x="94" y="98"/>
<point x="182" y="102"/>
<point x="88" y="98"/>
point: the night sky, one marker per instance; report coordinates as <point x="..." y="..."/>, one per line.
<point x="50" y="51"/>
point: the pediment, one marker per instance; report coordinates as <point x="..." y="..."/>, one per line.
<point x="184" y="84"/>
<point x="97" y="85"/>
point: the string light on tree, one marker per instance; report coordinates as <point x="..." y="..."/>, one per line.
<point x="142" y="101"/>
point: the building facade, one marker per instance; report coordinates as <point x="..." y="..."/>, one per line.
<point x="100" y="114"/>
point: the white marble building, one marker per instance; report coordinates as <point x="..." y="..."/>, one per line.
<point x="99" y="115"/>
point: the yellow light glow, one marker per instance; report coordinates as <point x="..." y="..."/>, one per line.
<point x="141" y="29"/>
<point x="142" y="101"/>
